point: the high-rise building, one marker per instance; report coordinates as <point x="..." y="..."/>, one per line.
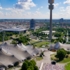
<point x="32" y="24"/>
<point x="61" y="21"/>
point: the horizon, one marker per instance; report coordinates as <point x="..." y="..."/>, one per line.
<point x="30" y="19"/>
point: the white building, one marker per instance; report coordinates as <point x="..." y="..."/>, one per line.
<point x="47" y="32"/>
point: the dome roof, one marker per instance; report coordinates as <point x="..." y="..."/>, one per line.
<point x="58" y="45"/>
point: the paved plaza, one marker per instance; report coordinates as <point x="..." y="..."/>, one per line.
<point x="52" y="67"/>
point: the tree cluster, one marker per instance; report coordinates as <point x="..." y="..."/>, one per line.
<point x="22" y="39"/>
<point x="61" y="53"/>
<point x="39" y="34"/>
<point x="41" y="29"/>
<point x="29" y="65"/>
<point x="7" y="35"/>
<point x="59" y="39"/>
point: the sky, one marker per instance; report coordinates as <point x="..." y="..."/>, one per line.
<point x="36" y="9"/>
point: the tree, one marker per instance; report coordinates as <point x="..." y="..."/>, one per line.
<point x="22" y="39"/>
<point x="35" y="68"/>
<point x="42" y="54"/>
<point x="57" y="34"/>
<point x="61" y="53"/>
<point x="28" y="69"/>
<point x="16" y="63"/>
<point x="29" y="65"/>
<point x="33" y="62"/>
<point x="24" y="66"/>
<point x="14" y="42"/>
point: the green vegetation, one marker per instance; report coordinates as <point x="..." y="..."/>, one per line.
<point x="41" y="29"/>
<point x="61" y="34"/>
<point x="33" y="41"/>
<point x="29" y="65"/>
<point x="21" y="39"/>
<point x="67" y="67"/>
<point x="53" y="57"/>
<point x="39" y="58"/>
<point x="41" y="43"/>
<point x="65" y="60"/>
<point x="59" y="39"/>
<point x="38" y="34"/>
<point x="59" y="29"/>
<point x="7" y="35"/>
<point x="61" y="53"/>
<point x="14" y="42"/>
<point x="57" y="34"/>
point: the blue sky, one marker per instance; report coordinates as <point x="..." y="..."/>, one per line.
<point x="34" y="9"/>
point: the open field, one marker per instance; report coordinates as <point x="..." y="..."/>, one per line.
<point x="33" y="41"/>
<point x="52" y="56"/>
<point x="67" y="67"/>
<point x="40" y="44"/>
<point x="38" y="58"/>
<point x="65" y="60"/>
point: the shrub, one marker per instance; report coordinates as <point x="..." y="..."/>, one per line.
<point x="61" y="53"/>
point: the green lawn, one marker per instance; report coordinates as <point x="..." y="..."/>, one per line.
<point x="39" y="44"/>
<point x="39" y="58"/>
<point x="65" y="60"/>
<point x="33" y="41"/>
<point x="53" y="57"/>
<point x="67" y="67"/>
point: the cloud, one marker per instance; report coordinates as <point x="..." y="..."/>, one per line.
<point x="62" y="9"/>
<point x="1" y="8"/>
<point x="41" y="6"/>
<point x="67" y="2"/>
<point x="21" y="10"/>
<point x="8" y="9"/>
<point x="68" y="10"/>
<point x="38" y="9"/>
<point x="25" y="4"/>
<point x="56" y="5"/>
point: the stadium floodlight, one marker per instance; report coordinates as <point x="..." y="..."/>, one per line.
<point x="51" y="7"/>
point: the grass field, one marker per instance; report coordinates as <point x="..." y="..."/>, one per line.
<point x="33" y="41"/>
<point x="53" y="57"/>
<point x="40" y="44"/>
<point x="67" y="67"/>
<point x="39" y="58"/>
<point x="65" y="60"/>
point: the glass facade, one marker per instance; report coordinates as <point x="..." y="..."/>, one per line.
<point x="32" y="24"/>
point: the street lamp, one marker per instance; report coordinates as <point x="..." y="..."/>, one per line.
<point x="51" y="7"/>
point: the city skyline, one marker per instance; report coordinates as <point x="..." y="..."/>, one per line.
<point x="36" y="9"/>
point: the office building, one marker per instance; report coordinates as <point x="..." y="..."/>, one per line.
<point x="32" y="24"/>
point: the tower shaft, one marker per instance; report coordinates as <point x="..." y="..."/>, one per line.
<point x="50" y="33"/>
